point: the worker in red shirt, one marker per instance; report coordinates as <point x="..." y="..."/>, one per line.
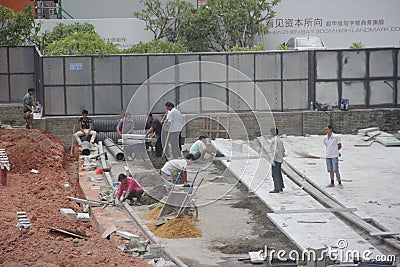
<point x="131" y="187"/>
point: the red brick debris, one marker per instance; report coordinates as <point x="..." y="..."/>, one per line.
<point x="41" y="196"/>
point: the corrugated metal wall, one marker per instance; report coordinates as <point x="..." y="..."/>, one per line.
<point x="202" y="82"/>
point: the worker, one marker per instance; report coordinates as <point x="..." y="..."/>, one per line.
<point x="128" y="189"/>
<point x="29" y="107"/>
<point x="125" y="125"/>
<point x="85" y="129"/>
<point x="155" y="128"/>
<point x="172" y="128"/>
<point x="199" y="148"/>
<point x="333" y="144"/>
<point x="277" y="151"/>
<point x="176" y="165"/>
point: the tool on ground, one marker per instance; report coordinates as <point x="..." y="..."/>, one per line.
<point x="187" y="195"/>
<point x="72" y="142"/>
<point x="191" y="197"/>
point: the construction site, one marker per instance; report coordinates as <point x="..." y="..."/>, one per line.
<point x="63" y="203"/>
<point x="81" y="188"/>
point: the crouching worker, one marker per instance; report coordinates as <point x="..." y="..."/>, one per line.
<point x="175" y="165"/>
<point x="129" y="188"/>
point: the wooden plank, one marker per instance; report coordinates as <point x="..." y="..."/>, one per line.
<point x="67" y="233"/>
<point x="363" y="143"/>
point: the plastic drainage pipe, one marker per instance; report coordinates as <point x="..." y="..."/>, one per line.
<point x="114" y="149"/>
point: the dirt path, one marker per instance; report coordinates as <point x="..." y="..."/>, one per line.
<point x="41" y="196"/>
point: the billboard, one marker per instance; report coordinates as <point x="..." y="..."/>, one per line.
<point x="122" y="31"/>
<point x="338" y="23"/>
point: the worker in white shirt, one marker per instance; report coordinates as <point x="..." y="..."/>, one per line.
<point x="171" y="130"/>
<point x="333" y="145"/>
<point x="174" y="166"/>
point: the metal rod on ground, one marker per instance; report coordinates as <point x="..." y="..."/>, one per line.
<point x="187" y="194"/>
<point x="72" y="143"/>
<point x="191" y="197"/>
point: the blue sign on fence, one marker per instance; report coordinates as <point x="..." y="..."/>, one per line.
<point x="76" y="66"/>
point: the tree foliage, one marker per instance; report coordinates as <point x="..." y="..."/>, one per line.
<point x="155" y="47"/>
<point x="216" y="26"/>
<point x="76" y="39"/>
<point x="356" y="45"/>
<point x="237" y="22"/>
<point x="164" y="20"/>
<point x="18" y="28"/>
<point x="258" y="47"/>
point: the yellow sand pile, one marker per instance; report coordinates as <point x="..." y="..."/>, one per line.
<point x="176" y="228"/>
<point x="152" y="215"/>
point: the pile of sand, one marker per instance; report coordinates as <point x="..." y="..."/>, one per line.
<point x="152" y="214"/>
<point x="176" y="228"/>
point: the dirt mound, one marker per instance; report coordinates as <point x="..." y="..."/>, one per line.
<point x="176" y="228"/>
<point x="41" y="196"/>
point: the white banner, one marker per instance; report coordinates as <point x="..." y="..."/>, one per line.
<point x="338" y="23"/>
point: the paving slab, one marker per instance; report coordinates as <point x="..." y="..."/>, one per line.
<point x="299" y="227"/>
<point x="369" y="176"/>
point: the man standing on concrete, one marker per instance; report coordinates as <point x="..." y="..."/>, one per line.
<point x="156" y="128"/>
<point x="132" y="189"/>
<point x="29" y="107"/>
<point x="174" y="166"/>
<point x="333" y="145"/>
<point x="277" y="151"/>
<point x="173" y="126"/>
<point x="85" y="128"/>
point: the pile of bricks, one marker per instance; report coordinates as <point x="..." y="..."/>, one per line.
<point x="23" y="221"/>
<point x="4" y="166"/>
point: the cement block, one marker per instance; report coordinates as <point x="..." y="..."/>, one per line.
<point x="127" y="235"/>
<point x="84" y="217"/>
<point x="68" y="212"/>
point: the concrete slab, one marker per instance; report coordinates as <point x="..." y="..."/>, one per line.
<point x="256" y="175"/>
<point x="369" y="176"/>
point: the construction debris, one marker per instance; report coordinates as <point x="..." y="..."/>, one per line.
<point x="68" y="232"/>
<point x="136" y="246"/>
<point x="107" y="195"/>
<point x="367" y="130"/>
<point x="68" y="212"/>
<point x="127" y="235"/>
<point x="84" y="217"/>
<point x="23" y="221"/>
<point x="112" y="228"/>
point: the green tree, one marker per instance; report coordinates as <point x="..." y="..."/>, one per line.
<point x="155" y="47"/>
<point x="258" y="47"/>
<point x="18" y="28"/>
<point x="224" y="24"/>
<point x="76" y="39"/>
<point x="164" y="21"/>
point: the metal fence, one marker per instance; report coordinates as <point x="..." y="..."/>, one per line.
<point x="18" y="72"/>
<point x="289" y="80"/>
